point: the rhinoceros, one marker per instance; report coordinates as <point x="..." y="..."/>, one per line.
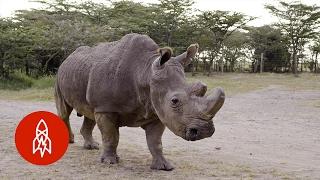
<point x="132" y="82"/>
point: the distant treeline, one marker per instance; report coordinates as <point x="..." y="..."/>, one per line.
<point x="37" y="41"/>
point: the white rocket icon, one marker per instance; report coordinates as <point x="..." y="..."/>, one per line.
<point x="42" y="142"/>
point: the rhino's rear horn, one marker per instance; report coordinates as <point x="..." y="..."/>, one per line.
<point x="198" y="89"/>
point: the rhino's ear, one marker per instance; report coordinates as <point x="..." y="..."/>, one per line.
<point x="165" y="55"/>
<point x="187" y="56"/>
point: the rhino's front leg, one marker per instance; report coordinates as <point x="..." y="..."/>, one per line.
<point x="110" y="136"/>
<point x="154" y="133"/>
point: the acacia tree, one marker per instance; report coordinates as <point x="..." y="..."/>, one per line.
<point x="272" y="44"/>
<point x="298" y="22"/>
<point x="217" y="27"/>
<point x="52" y="33"/>
<point x="235" y="48"/>
<point x="172" y="15"/>
<point x="97" y="13"/>
<point x="6" y="36"/>
<point x="315" y="50"/>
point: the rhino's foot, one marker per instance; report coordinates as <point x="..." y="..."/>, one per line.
<point x="91" y="145"/>
<point x="161" y="164"/>
<point x="110" y="159"/>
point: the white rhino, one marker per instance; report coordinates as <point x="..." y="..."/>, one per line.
<point x="132" y="82"/>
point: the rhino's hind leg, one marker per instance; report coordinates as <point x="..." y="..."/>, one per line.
<point x="154" y="133"/>
<point x="86" y="132"/>
<point x="107" y="123"/>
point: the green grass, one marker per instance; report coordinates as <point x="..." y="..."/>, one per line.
<point x="22" y="87"/>
<point x="16" y="81"/>
<point x="44" y="82"/>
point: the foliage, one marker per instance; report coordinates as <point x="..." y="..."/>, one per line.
<point x="235" y="48"/>
<point x="299" y="22"/>
<point x="35" y="42"/>
<point x="315" y="51"/>
<point x="272" y="44"/>
<point x="216" y="27"/>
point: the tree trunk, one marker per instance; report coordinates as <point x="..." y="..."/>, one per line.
<point x="169" y="36"/>
<point x="294" y="62"/>
<point x="316" y="63"/>
<point x="231" y="64"/>
<point x="192" y="71"/>
<point x="1" y="67"/>
<point x="261" y="63"/>
<point x="210" y="67"/>
<point x="215" y="66"/>
<point x="204" y="66"/>
<point x="196" y="65"/>
<point x="27" y="67"/>
<point x="255" y="69"/>
<point x="221" y="63"/>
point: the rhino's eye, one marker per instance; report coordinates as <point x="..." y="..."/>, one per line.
<point x="174" y="101"/>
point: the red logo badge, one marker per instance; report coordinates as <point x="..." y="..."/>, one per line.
<point x="42" y="138"/>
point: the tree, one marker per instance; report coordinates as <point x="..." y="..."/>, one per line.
<point x="272" y="44"/>
<point x="130" y="17"/>
<point x="171" y="14"/>
<point x="315" y="50"/>
<point x="298" y="22"/>
<point x="217" y="27"/>
<point x="235" y="48"/>
<point x="97" y="13"/>
<point x="6" y="33"/>
<point x="54" y="33"/>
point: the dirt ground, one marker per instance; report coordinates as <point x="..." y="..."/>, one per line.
<point x="271" y="133"/>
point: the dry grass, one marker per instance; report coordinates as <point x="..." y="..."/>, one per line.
<point x="31" y="94"/>
<point x="233" y="83"/>
<point x="312" y="103"/>
<point x="236" y="83"/>
<point x="135" y="165"/>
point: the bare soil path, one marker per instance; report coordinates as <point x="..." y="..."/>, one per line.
<point x="270" y="133"/>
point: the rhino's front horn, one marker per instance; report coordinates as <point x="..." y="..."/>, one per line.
<point x="215" y="100"/>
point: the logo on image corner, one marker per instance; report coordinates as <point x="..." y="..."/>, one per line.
<point x="41" y="138"/>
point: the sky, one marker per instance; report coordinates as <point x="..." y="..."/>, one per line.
<point x="249" y="7"/>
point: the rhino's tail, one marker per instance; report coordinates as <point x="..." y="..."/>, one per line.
<point x="63" y="109"/>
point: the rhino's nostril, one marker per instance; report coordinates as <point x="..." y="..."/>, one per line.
<point x="193" y="132"/>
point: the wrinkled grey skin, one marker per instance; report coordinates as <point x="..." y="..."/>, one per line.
<point x="132" y="82"/>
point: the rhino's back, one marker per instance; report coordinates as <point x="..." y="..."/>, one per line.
<point x="103" y="78"/>
<point x="116" y="84"/>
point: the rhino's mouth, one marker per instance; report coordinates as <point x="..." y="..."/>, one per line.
<point x="197" y="132"/>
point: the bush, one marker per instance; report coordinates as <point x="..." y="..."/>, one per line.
<point x="18" y="81"/>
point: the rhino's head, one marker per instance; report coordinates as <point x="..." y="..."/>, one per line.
<point x="184" y="108"/>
